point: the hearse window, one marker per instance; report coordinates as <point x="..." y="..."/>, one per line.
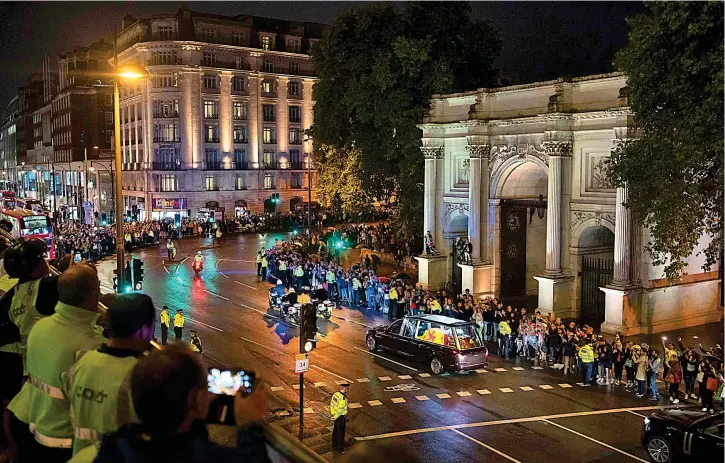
<point x="716" y="430"/>
<point x="468" y="337"/>
<point x="409" y="327"/>
<point x="422" y="328"/>
<point x="437" y="334"/>
<point x="395" y="327"/>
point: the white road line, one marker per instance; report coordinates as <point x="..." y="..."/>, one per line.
<point x="483" y="391"/>
<point x="443" y="396"/>
<point x="223" y="274"/>
<point x="167" y="270"/>
<point x="595" y="440"/>
<point x="353" y="321"/>
<point x="308" y="410"/>
<point x="246" y="286"/>
<point x="537" y="368"/>
<point x="638" y="414"/>
<point x="385" y="378"/>
<point x="363" y="380"/>
<point x="422" y="398"/>
<point x="486" y="446"/>
<point x="517" y="369"/>
<point x="217" y="295"/>
<point x="499" y="370"/>
<point x="194" y="320"/>
<point x="266" y="347"/>
<point x="397" y="400"/>
<point x="564" y="385"/>
<point x="526" y="388"/>
<point x="374" y="403"/>
<point x="481" y="370"/>
<point x="424" y="375"/>
<point x="389" y="360"/>
<point x="404" y="377"/>
<point x="320" y="384"/>
<point x="505" y="389"/>
<point x="481" y="424"/>
<point x="297" y="386"/>
<point x="277" y="388"/>
<point x="463" y="393"/>
<point x="546" y="387"/>
<point x="355" y="405"/>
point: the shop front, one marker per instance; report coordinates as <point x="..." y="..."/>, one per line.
<point x="241" y="209"/>
<point x="169" y="208"/>
<point x="212" y="212"/>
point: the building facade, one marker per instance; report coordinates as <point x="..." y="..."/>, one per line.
<point x="218" y="125"/>
<point x="519" y="173"/>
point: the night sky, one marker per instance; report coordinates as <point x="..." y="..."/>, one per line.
<point x="541" y="40"/>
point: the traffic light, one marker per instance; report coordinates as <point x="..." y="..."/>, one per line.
<point x="127" y="279"/>
<point x="137" y="274"/>
<point x="104" y="219"/>
<point x="308" y="330"/>
<point x="275" y="198"/>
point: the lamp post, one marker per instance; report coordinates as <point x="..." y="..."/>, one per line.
<point x="309" y="186"/>
<point x="126" y="73"/>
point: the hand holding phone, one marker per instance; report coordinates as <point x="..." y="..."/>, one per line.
<point x="226" y="385"/>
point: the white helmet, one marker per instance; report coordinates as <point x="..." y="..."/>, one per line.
<point x="292" y="290"/>
<point x="198" y="253"/>
<point x="279" y="282"/>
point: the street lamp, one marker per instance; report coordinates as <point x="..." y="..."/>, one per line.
<point x="309" y="184"/>
<point x="129" y="73"/>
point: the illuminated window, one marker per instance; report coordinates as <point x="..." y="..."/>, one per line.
<point x="168" y="183"/>
<point x="211" y="133"/>
<point x="211" y="183"/>
<point x="211" y="109"/>
<point x="295" y="136"/>
<point x="239" y="111"/>
<point x="266" y="42"/>
<point x="268" y="181"/>
<point x="240" y="134"/>
<point x="268" y="135"/>
<point x="239" y="183"/>
<point x="267" y="87"/>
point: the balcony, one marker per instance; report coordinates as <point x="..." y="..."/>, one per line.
<point x="167" y="140"/>
<point x="164" y="62"/>
<point x="211" y="140"/>
<point x="171" y="165"/>
<point x="241" y="141"/>
<point x="269" y="187"/>
<point x="166" y="115"/>
<point x="211" y="116"/>
<point x="297" y="187"/>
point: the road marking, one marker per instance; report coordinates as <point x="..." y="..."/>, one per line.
<point x="485" y="446"/>
<point x="363" y="380"/>
<point x="505" y="389"/>
<point x="277" y="388"/>
<point x="404" y="377"/>
<point x="355" y="405"/>
<point x="223" y="274"/>
<point x="389" y="360"/>
<point x="481" y="370"/>
<point x="638" y="414"/>
<point x="443" y="396"/>
<point x="194" y="320"/>
<point x="385" y="378"/>
<point x="580" y="384"/>
<point x="297" y="386"/>
<point x="526" y="388"/>
<point x="483" y="391"/>
<point x="463" y="393"/>
<point x="564" y="385"/>
<point x="481" y="424"/>
<point x="217" y="295"/>
<point x="247" y="286"/>
<point x="320" y="384"/>
<point x="308" y="410"/>
<point x="422" y="397"/>
<point x="537" y="368"/>
<point x="424" y="375"/>
<point x="499" y="370"/>
<point x="374" y="403"/>
<point x="344" y="380"/>
<point x="546" y="387"/>
<point x="353" y="321"/>
<point x="595" y="440"/>
<point x="397" y="400"/>
<point x="266" y="347"/>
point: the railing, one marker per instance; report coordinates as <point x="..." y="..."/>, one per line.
<point x="167" y="140"/>
<point x="166" y="166"/>
<point x="211" y="140"/>
<point x="221" y="165"/>
<point x="163" y="62"/>
<point x="173" y="114"/>
<point x="240" y="140"/>
<point x="211" y="116"/>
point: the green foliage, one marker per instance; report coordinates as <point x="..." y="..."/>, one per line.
<point x="378" y="66"/>
<point x="338" y="178"/>
<point x="674" y="66"/>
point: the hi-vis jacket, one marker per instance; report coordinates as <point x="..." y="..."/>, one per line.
<point x="24" y="314"/>
<point x="504" y="328"/>
<point x="338" y="405"/>
<point x="586" y="354"/>
<point x="165" y="318"/>
<point x="178" y="321"/>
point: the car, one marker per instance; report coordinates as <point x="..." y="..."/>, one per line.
<point x="683" y="434"/>
<point x="443" y="343"/>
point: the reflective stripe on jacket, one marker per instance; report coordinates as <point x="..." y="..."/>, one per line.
<point x="338" y="405"/>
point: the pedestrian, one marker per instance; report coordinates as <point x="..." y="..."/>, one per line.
<point x="259" y="264"/>
<point x="338" y="410"/>
<point x="640" y="362"/>
<point x="586" y="354"/>
<point x="164" y="325"/>
<point x="178" y="324"/>
<point x="674" y="377"/>
<point x="690" y="364"/>
<point x="654" y="365"/>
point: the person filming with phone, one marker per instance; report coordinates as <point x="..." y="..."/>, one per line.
<point x="170" y="395"/>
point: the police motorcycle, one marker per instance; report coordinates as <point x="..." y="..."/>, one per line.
<point x="322" y="304"/>
<point x="286" y="303"/>
<point x="198" y="265"/>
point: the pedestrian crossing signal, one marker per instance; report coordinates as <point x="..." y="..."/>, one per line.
<point x="308" y="330"/>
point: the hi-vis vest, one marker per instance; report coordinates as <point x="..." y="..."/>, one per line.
<point x="299" y="271"/>
<point x="23" y="312"/>
<point x="178" y="321"/>
<point x="6" y="284"/>
<point x="330" y="276"/>
<point x="338" y="405"/>
<point x="504" y="328"/>
<point x="99" y="390"/>
<point x="283" y="266"/>
<point x="586" y="354"/>
<point x="165" y="318"/>
<point x="264" y="262"/>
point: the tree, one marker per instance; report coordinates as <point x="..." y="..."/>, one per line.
<point x="674" y="172"/>
<point x="378" y="67"/>
<point x="338" y="179"/>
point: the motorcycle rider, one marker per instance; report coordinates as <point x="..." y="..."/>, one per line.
<point x="319" y="294"/>
<point x="199" y="259"/>
<point x="275" y="292"/>
<point x="291" y="298"/>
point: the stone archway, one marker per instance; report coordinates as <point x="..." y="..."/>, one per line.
<point x="592" y="265"/>
<point x="519" y="188"/>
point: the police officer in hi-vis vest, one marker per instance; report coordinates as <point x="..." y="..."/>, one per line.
<point x="98" y="385"/>
<point x="338" y="410"/>
<point x="164" y="318"/>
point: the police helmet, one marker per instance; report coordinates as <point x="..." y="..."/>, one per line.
<point x="23" y="256"/>
<point x="291" y="290"/>
<point x="279" y="282"/>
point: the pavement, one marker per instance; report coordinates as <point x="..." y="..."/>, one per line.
<point x="512" y="411"/>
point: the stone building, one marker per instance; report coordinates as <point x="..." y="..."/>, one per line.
<point x="218" y="126"/>
<point x="519" y="172"/>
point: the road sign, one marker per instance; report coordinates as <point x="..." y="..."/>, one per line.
<point x="302" y="363"/>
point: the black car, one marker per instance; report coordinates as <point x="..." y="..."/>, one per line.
<point x="443" y="343"/>
<point x="683" y="434"/>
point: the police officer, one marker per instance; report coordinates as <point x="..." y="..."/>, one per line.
<point x="504" y="330"/>
<point x="338" y="410"/>
<point x="265" y="264"/>
<point x="98" y="385"/>
<point x="52" y="347"/>
<point x="259" y="263"/>
<point x="178" y="324"/>
<point x="195" y="342"/>
<point x="164" y="318"/>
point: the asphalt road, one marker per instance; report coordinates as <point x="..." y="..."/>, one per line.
<point x="511" y="412"/>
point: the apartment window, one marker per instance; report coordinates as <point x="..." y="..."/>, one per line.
<point x="168" y="183"/>
<point x="269" y="135"/>
<point x="108" y="100"/>
<point x="238" y="39"/>
<point x="266" y="42"/>
<point x="211" y="81"/>
<point x="295" y="136"/>
<point x="211" y="109"/>
<point x="295" y="114"/>
<point x="296" y="180"/>
<point x="166" y="108"/>
<point x="269" y="112"/>
<point x="109" y="136"/>
<point x="211" y="183"/>
<point x="238" y="84"/>
<point x="240" y="134"/>
<point x="267" y="65"/>
<point x="268" y="181"/>
<point x="239" y="111"/>
<point x="209" y="35"/>
<point x="294" y="156"/>
<point x="168" y="79"/>
<point x="211" y="133"/>
<point x="166" y="132"/>
<point x="293" y="89"/>
<point x="294" y="67"/>
<point x="240" y="157"/>
<point x="109" y="117"/>
<point x="239" y="183"/>
<point x="267" y="86"/>
<point x="269" y="158"/>
<point x="293" y="45"/>
<point x="209" y="59"/>
<point x="163" y="57"/>
<point x="165" y="33"/>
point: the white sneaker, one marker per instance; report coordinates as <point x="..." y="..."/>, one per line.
<point x="676" y="401"/>
<point x="694" y="397"/>
<point x="671" y="399"/>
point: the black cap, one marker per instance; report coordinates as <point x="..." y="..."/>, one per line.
<point x="344" y="384"/>
<point x="127" y="313"/>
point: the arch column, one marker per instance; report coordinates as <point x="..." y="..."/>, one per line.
<point x="431" y="269"/>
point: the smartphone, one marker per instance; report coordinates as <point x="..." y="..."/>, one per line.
<point x="225" y="384"/>
<point x="78" y="258"/>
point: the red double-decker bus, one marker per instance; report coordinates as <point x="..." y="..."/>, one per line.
<point x="29" y="224"/>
